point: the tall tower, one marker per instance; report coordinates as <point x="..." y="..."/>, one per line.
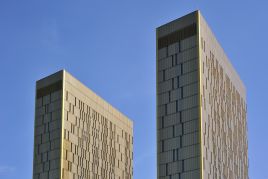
<point x="78" y="135"/>
<point x="201" y="105"/>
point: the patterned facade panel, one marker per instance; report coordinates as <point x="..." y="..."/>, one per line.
<point x="47" y="139"/>
<point x="96" y="144"/>
<point x="224" y="127"/>
<point x="178" y="145"/>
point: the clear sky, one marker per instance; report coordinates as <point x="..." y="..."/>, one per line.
<point x="110" y="47"/>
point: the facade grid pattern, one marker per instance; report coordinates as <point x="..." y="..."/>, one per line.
<point x="78" y="135"/>
<point x="177" y="107"/>
<point x="201" y="105"/>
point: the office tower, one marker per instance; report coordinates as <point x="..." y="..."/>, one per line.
<point x="201" y="105"/>
<point x="78" y="135"/>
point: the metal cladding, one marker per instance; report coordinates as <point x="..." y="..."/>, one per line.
<point x="78" y="134"/>
<point x="201" y="105"/>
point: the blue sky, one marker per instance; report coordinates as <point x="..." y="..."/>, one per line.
<point x="110" y="47"/>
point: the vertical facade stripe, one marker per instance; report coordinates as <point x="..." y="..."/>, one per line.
<point x="200" y="93"/>
<point x="62" y="123"/>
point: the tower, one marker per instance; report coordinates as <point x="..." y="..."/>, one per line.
<point x="78" y="134"/>
<point x="201" y="105"/>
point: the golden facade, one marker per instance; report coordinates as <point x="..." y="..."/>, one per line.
<point x="201" y="105"/>
<point x="84" y="136"/>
